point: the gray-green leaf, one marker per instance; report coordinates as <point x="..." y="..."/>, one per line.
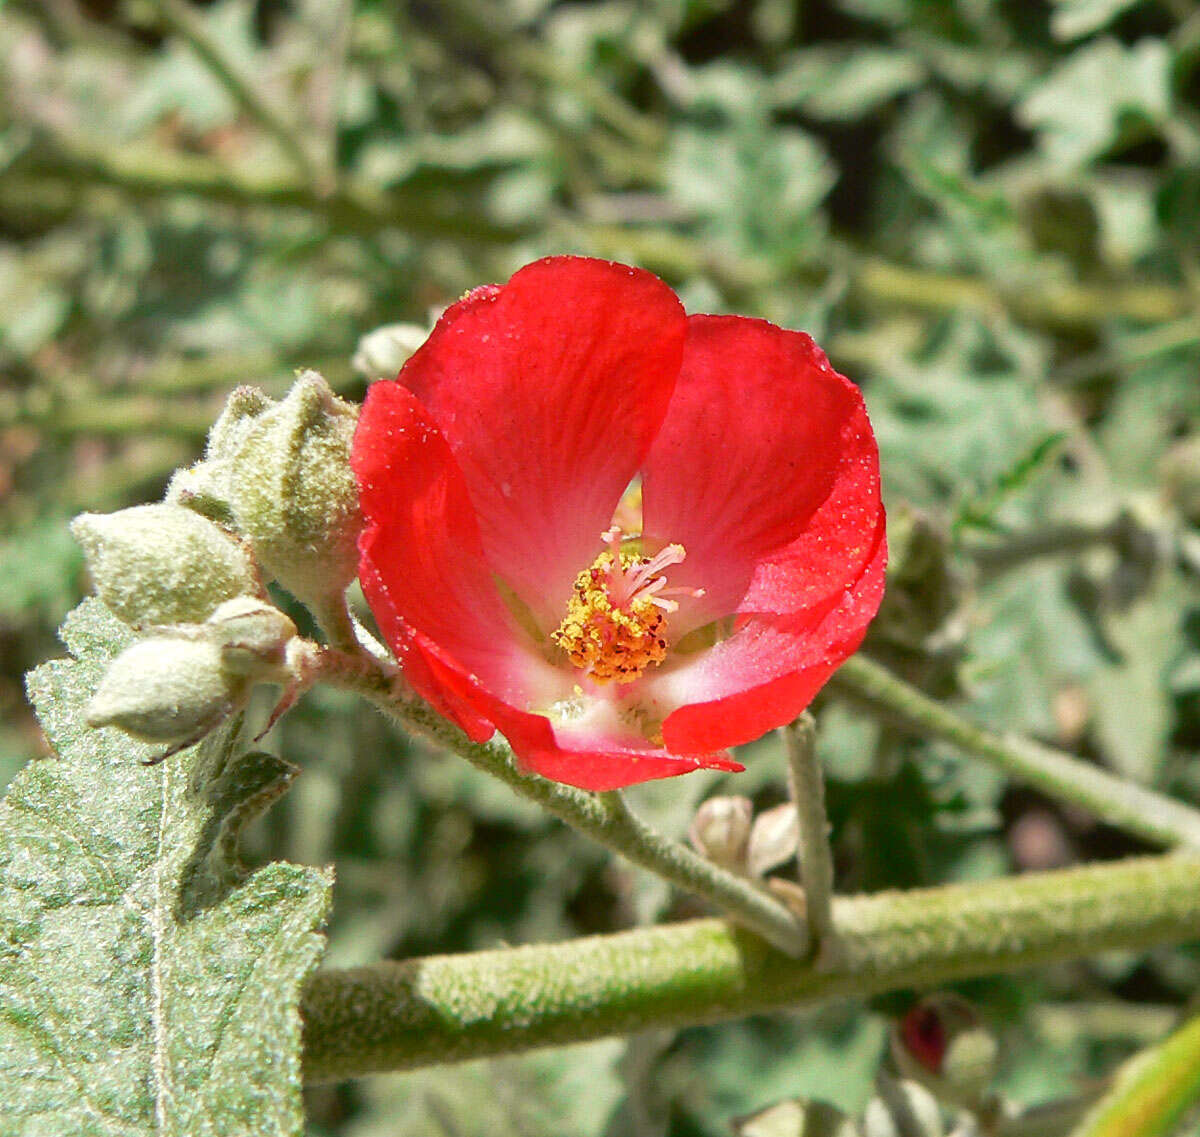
<point x="147" y="986"/>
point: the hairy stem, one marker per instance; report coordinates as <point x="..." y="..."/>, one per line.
<point x="1125" y="805"/>
<point x="807" y="787"/>
<point x="394" y="1016"/>
<point x="336" y="624"/>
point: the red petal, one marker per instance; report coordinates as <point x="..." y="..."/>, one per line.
<point x="596" y="763"/>
<point x="406" y="644"/>
<point x="768" y="671"/>
<point x="549" y="391"/>
<point x="422" y="565"/>
<point x="592" y="756"/>
<point x="765" y="470"/>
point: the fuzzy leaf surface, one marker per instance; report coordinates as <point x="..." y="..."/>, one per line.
<point x="147" y="985"/>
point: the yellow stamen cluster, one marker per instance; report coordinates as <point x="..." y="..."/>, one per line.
<point x="612" y="643"/>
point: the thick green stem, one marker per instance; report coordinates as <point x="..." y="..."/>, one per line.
<point x="395" y="1016"/>
<point x="1132" y="808"/>
<point x="816" y="860"/>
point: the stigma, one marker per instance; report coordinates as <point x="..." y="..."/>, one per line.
<point x="616" y="622"/>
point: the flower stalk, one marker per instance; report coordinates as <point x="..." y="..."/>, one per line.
<point x="605" y="818"/>
<point x="807" y="786"/>
<point x="395" y="1016"/>
<point x="1132" y="808"/>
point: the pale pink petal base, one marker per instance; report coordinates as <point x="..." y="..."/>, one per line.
<point x="589" y="755"/>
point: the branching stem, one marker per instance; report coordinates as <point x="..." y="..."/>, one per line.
<point x="395" y="1016"/>
<point x="186" y="24"/>
<point x="603" y="817"/>
<point x="1142" y="812"/>
<point x="392" y="1016"/>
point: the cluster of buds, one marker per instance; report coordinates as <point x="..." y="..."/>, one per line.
<point x="273" y="498"/>
<point x="279" y="475"/>
<point x="726" y="832"/>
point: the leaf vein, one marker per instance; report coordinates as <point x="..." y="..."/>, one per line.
<point x="107" y="880"/>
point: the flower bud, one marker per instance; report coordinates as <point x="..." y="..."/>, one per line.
<point x="293" y="492"/>
<point x="166" y="689"/>
<point x="902" y="1109"/>
<point x="720" y="830"/>
<point x="204" y="487"/>
<point x="382" y="353"/>
<point x="942" y="1044"/>
<point x="162" y="564"/>
<point x="252" y="637"/>
<point x="774" y="838"/>
<point x="796" y="1117"/>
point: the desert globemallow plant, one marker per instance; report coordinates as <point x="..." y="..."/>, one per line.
<point x="603" y="542"/>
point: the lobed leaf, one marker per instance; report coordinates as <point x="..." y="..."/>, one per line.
<point x="147" y="985"/>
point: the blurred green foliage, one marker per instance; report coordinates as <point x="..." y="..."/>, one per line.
<point x="986" y="211"/>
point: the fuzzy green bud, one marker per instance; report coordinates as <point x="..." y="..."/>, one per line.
<point x="382" y="353"/>
<point x="205" y="487"/>
<point x="293" y="492"/>
<point x="162" y="564"/>
<point x="720" y="830"/>
<point x="252" y="636"/>
<point x="773" y="839"/>
<point x="167" y="690"/>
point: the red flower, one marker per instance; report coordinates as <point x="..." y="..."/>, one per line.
<point x="492" y="472"/>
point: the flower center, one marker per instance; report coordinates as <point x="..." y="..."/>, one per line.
<point x="616" y="620"/>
